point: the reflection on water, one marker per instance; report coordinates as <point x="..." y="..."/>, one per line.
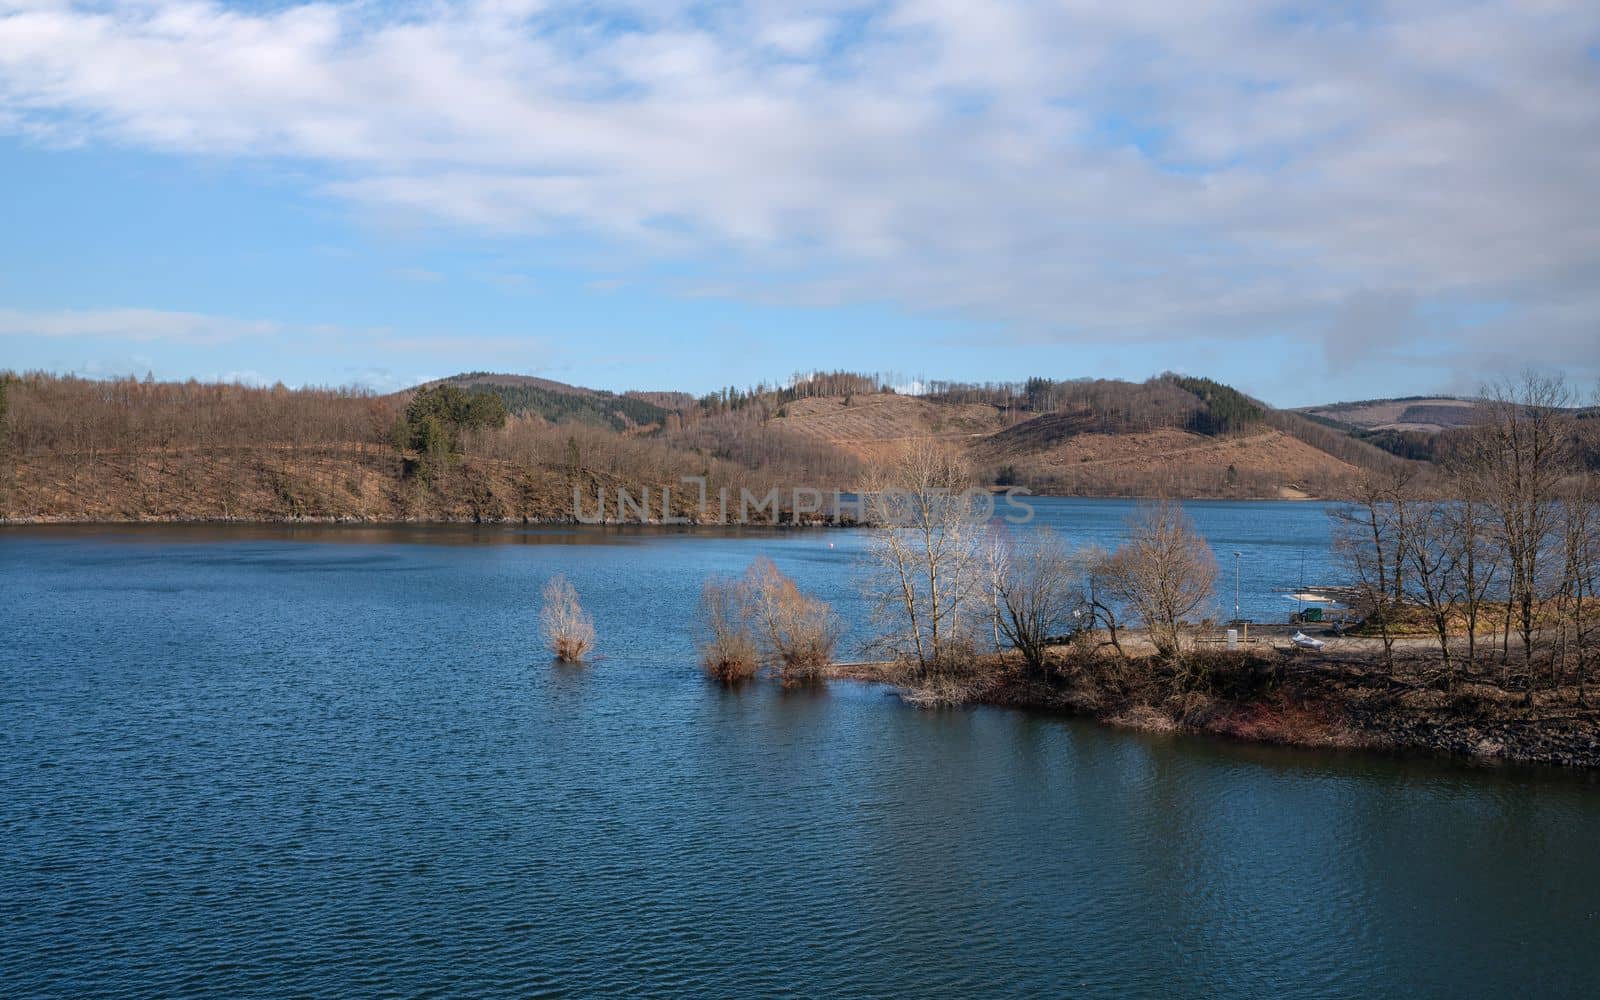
<point x="333" y="760"/>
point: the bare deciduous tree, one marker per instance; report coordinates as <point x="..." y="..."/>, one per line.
<point x="1433" y="555"/>
<point x="1521" y="453"/>
<point x="1040" y="594"/>
<point x="1370" y="538"/>
<point x="926" y="557"/>
<point x="1095" y="563"/>
<point x="568" y="629"/>
<point x="1165" y="573"/>
<point x="1580" y="541"/>
<point x="1478" y="549"/>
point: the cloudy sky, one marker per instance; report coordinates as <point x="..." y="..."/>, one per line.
<point x="1317" y="201"/>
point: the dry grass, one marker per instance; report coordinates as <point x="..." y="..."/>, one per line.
<point x="1144" y="718"/>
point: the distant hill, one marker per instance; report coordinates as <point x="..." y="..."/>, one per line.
<point x="1420" y="428"/>
<point x="559" y="402"/>
<point x="1172" y="434"/>
<point x="1425" y="414"/>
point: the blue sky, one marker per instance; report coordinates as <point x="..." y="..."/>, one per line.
<point x="1372" y="200"/>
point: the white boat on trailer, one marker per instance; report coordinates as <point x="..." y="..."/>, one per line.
<point x="1303" y="641"/>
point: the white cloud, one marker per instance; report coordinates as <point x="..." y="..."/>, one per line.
<point x="138" y="325"/>
<point x="247" y="376"/>
<point x="379" y="380"/>
<point x="1087" y="172"/>
<point x="141" y="325"/>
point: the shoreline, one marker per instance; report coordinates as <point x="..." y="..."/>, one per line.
<point x="565" y="520"/>
<point x="1312" y="701"/>
<point x="359" y="522"/>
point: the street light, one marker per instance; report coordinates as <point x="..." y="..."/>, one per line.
<point x="1236" y="556"/>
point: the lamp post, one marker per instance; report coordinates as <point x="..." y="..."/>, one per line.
<point x="1236" y="556"/>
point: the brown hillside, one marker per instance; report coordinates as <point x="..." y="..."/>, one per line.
<point x="1268" y="463"/>
<point x="1042" y="433"/>
<point x="871" y="426"/>
<point x="1430" y="415"/>
<point x="1067" y="452"/>
<point x="77" y="449"/>
<point x="274" y="484"/>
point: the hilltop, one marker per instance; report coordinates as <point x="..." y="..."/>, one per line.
<point x="558" y="401"/>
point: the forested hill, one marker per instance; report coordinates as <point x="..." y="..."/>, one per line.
<point x="493" y="446"/>
<point x="558" y="402"/>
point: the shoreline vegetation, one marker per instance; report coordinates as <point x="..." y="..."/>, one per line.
<point x="1478" y="616"/>
<point x="1276" y="694"/>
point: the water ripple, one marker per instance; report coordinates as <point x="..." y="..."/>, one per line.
<point x="271" y="769"/>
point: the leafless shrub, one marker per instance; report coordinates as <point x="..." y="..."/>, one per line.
<point x="940" y="690"/>
<point x="800" y="632"/>
<point x="729" y="653"/>
<point x="568" y="629"/>
<point x="760" y="618"/>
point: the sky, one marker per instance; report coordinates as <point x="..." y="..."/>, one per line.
<point x="1314" y="202"/>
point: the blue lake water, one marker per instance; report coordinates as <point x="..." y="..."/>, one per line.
<point x="334" y="761"/>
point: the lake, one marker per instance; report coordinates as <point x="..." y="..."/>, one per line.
<point x="284" y="761"/>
